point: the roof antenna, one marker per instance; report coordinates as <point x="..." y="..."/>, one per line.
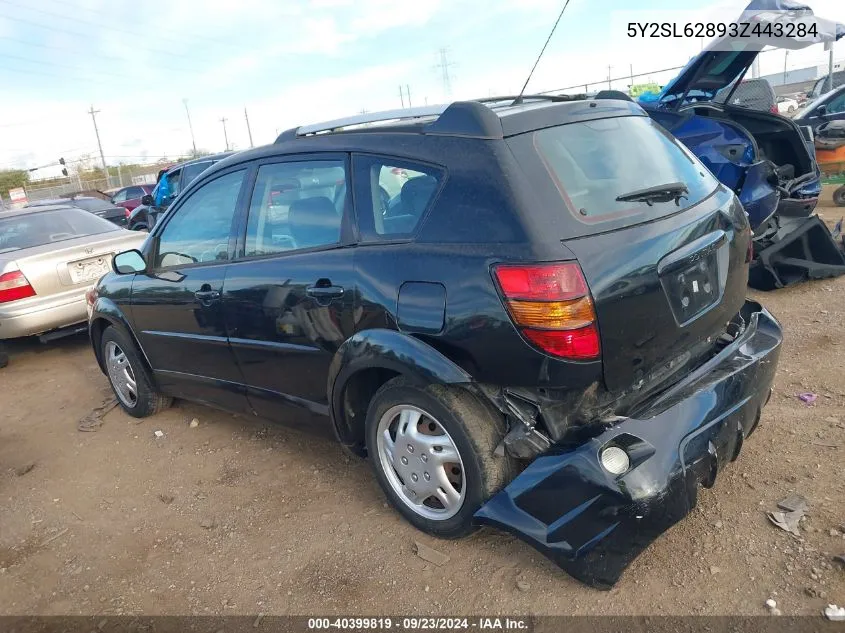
<point x="518" y="100"/>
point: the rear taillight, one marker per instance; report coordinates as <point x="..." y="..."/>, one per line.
<point x="773" y="109"/>
<point x="14" y="286"/>
<point x="551" y="304"/>
<point x="128" y="212"/>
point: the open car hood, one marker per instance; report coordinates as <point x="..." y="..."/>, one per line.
<point x="724" y="60"/>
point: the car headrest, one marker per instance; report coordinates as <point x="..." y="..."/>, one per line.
<point x="416" y="194"/>
<point x="314" y="222"/>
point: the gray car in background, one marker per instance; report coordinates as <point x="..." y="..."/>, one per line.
<point x="49" y="257"/>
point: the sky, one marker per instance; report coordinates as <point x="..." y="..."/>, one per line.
<point x="292" y="62"/>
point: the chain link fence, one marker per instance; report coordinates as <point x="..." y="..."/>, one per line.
<point x="117" y="177"/>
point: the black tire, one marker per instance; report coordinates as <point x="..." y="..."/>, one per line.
<point x="475" y="428"/>
<point x="148" y="401"/>
<point x="839" y="197"/>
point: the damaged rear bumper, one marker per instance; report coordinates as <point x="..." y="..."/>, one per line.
<point x="592" y="523"/>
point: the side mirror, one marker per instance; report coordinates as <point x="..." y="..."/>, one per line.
<point x="129" y="262"/>
<point x="821" y="110"/>
<point x="147" y="200"/>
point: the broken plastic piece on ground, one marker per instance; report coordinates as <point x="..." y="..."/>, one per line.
<point x="793" y="503"/>
<point x="834" y="613"/>
<point x="808" y="397"/>
<point x="795" y="250"/>
<point x="787" y="521"/>
<point x="94" y="420"/>
<point x="430" y="554"/>
<point x="158" y="434"/>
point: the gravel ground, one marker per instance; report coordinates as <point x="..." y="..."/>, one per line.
<point x="237" y="516"/>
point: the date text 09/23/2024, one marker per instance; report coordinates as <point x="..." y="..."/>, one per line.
<point x="420" y="623"/>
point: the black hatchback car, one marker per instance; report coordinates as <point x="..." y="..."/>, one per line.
<point x="527" y="315"/>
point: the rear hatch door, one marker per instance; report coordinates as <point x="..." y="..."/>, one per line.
<point x="662" y="244"/>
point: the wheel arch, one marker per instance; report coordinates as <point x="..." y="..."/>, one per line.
<point x="105" y="314"/>
<point x="368" y="360"/>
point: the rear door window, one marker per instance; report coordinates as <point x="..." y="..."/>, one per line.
<point x="393" y="195"/>
<point x="190" y="172"/>
<point x="592" y="163"/>
<point x="296" y="205"/>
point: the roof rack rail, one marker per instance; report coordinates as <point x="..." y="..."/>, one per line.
<point x="461" y="118"/>
<point x="511" y="98"/>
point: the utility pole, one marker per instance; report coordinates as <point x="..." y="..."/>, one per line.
<point x="249" y="131"/>
<point x="94" y="114"/>
<point x="830" y="65"/>
<point x="444" y="65"/>
<point x="190" y="127"/>
<point x="632" y="75"/>
<point x="401" y="96"/>
<point x="608" y="76"/>
<point x="408" y="92"/>
<point x="225" y="135"/>
<point x="785" y="58"/>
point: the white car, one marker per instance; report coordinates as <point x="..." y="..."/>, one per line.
<point x="787" y="105"/>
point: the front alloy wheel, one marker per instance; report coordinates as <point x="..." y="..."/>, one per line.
<point x="121" y="375"/>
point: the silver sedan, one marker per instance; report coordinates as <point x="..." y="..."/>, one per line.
<point x="49" y="258"/>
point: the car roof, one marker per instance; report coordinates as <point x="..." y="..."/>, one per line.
<point x="200" y="159"/>
<point x="490" y="118"/>
<point x="8" y="213"/>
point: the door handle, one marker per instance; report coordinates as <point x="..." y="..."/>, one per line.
<point x="320" y="291"/>
<point x="207" y="296"/>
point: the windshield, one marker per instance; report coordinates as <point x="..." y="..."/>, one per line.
<point x="47" y="227"/>
<point x="593" y="163"/>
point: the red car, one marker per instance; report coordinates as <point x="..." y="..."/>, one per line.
<point x="130" y="197"/>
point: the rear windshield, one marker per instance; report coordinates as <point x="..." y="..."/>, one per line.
<point x="591" y="163"/>
<point x="92" y="204"/>
<point x="47" y="227"/>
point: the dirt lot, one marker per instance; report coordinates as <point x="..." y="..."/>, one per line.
<point x="237" y="516"/>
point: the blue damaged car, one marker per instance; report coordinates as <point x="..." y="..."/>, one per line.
<point x="765" y="158"/>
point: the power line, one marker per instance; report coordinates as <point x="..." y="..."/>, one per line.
<point x="181" y="36"/>
<point x="26" y="71"/>
<point x="55" y="65"/>
<point x="99" y="25"/>
<point x="98" y="54"/>
<point x="88" y="35"/>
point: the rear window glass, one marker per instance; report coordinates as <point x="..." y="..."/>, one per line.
<point x="592" y="163"/>
<point x="47" y="227"/>
<point x="92" y="204"/>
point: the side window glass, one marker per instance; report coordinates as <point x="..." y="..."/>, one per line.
<point x="837" y="105"/>
<point x="192" y="171"/>
<point x="199" y="230"/>
<point x="296" y="205"/>
<point x="121" y="196"/>
<point x="400" y="192"/>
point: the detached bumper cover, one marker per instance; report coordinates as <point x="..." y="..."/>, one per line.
<point x="592" y="523"/>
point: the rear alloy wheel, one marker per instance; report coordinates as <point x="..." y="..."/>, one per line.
<point x="432" y="452"/>
<point x="839" y="197"/>
<point x="128" y="375"/>
<point x="421" y="462"/>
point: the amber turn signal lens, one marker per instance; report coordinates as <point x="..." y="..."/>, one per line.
<point x="556" y="315"/>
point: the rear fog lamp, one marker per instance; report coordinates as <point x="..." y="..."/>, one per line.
<point x="615" y="460"/>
